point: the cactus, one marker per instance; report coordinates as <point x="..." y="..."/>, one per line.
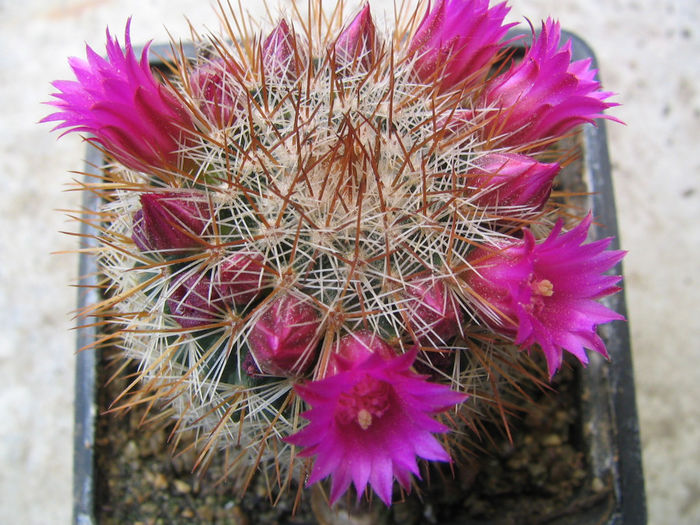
<point x="332" y="225"/>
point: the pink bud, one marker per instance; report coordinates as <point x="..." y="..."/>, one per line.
<point x="356" y="45"/>
<point x="355" y="348"/>
<point x="215" y="86"/>
<point x="170" y="222"/>
<point x="278" y="53"/>
<point x="283" y="340"/>
<point x="193" y="301"/>
<point x="242" y="277"/>
<point x="509" y="179"/>
<point x="433" y="312"/>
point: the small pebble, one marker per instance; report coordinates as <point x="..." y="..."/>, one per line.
<point x="160" y="482"/>
<point x="597" y="485"/>
<point x="181" y="487"/>
<point x="551" y="440"/>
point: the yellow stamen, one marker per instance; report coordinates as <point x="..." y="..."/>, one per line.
<point x="364" y="419"/>
<point x="544" y="288"/>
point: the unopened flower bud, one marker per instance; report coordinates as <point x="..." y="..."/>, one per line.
<point x="433" y="313"/>
<point x="283" y="339"/>
<point x="242" y="277"/>
<point x="193" y="301"/>
<point x="278" y="53"/>
<point x="215" y="87"/>
<point x="356" y="347"/>
<point x="512" y="180"/>
<point x="170" y="222"/>
<point x="355" y="48"/>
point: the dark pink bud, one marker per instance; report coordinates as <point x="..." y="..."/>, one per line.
<point x="278" y="53"/>
<point x="242" y="277"/>
<point x="216" y="88"/>
<point x="433" y="313"/>
<point x="283" y="340"/>
<point x="355" y="348"/>
<point x="193" y="301"/>
<point x="356" y="46"/>
<point x="508" y="179"/>
<point x="170" y="222"/>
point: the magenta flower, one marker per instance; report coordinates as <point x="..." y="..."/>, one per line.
<point x="508" y="179"/>
<point x="433" y="312"/>
<point x="368" y="423"/>
<point x="283" y="340"/>
<point x="545" y="293"/>
<point x="171" y="222"/>
<point x="279" y="53"/>
<point x="193" y="302"/>
<point x="241" y="277"/>
<point x="356" y="45"/>
<point x="545" y="94"/>
<point x="215" y="87"/>
<point x="457" y="40"/>
<point x="118" y="101"/>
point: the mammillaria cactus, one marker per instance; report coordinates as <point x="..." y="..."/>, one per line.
<point x="317" y="240"/>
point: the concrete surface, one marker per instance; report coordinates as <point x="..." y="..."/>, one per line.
<point x="648" y="52"/>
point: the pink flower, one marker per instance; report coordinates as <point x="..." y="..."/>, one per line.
<point x="215" y="86"/>
<point x="545" y="94"/>
<point x="193" y="301"/>
<point x="241" y="277"/>
<point x="279" y="57"/>
<point x="117" y="100"/>
<point x="545" y="293"/>
<point x="171" y="222"/>
<point x="433" y="312"/>
<point x="508" y="179"/>
<point x="368" y="423"/>
<point x="283" y="340"/>
<point x="457" y="40"/>
<point x="356" y="45"/>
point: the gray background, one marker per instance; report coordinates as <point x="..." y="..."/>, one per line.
<point x="648" y="52"/>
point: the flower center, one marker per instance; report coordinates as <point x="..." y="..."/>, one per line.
<point x="367" y="401"/>
<point x="540" y="289"/>
<point x="543" y="287"/>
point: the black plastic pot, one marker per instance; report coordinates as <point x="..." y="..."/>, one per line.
<point x="607" y="406"/>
